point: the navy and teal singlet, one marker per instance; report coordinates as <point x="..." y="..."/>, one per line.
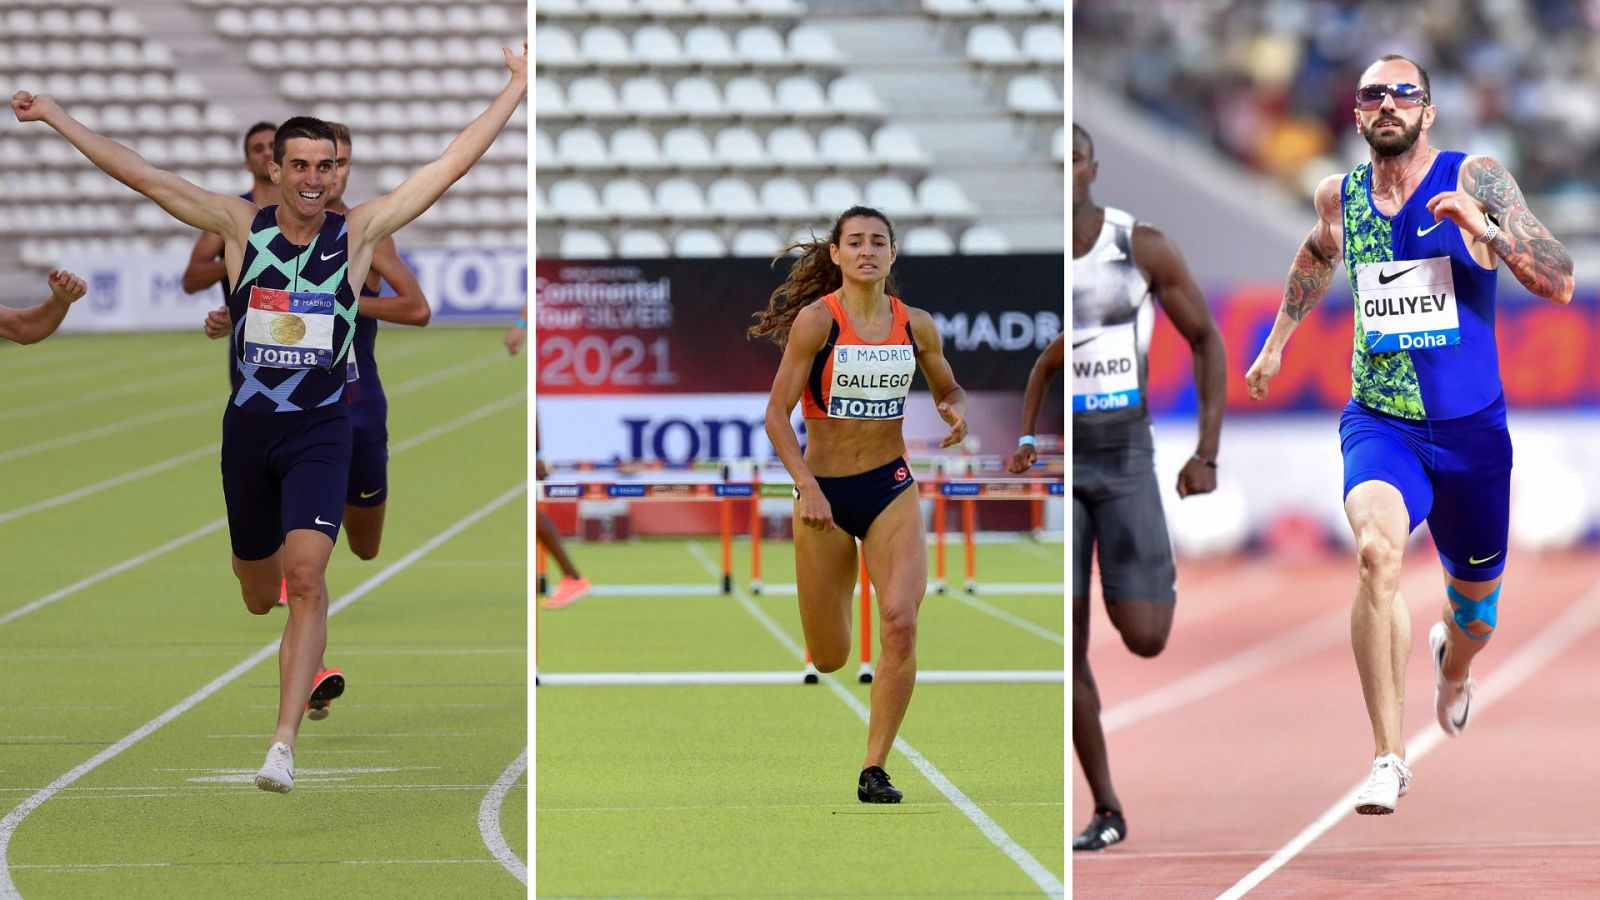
<point x="1438" y="382"/>
<point x="272" y="262"/>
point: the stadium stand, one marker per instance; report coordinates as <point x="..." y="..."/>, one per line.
<point x="178" y="79"/>
<point x="727" y="126"/>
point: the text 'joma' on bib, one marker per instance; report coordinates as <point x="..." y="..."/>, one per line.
<point x="1105" y="369"/>
<point x="289" y="329"/>
<point x="870" y="381"/>
<point x="1408" y="304"/>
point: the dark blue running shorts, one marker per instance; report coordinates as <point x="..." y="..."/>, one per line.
<point x="857" y="500"/>
<point x="369" y="460"/>
<point x="1453" y="473"/>
<point x="282" y="472"/>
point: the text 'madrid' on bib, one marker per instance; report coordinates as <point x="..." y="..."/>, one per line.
<point x="1105" y="368"/>
<point x="870" y="381"/>
<point x="1408" y="304"/>
<point x="289" y="329"/>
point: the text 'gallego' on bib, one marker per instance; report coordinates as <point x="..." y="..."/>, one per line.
<point x="1105" y="369"/>
<point x="288" y="329"/>
<point x="870" y="381"/>
<point x="1408" y="304"/>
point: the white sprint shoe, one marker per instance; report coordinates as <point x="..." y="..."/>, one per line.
<point x="1452" y="700"/>
<point x="277" y="773"/>
<point x="1389" y="781"/>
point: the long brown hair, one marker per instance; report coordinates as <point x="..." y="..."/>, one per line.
<point x="813" y="275"/>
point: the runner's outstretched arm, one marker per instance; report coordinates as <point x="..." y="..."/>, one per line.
<point x="1309" y="278"/>
<point x="1538" y="260"/>
<point x="195" y="206"/>
<point x="34" y="324"/>
<point x="1044" y="368"/>
<point x="383" y="216"/>
<point x="1186" y="308"/>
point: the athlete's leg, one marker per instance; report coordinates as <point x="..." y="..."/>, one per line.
<point x="1380" y="628"/>
<point x="1088" y="737"/>
<point x="825" y="580"/>
<point x="1137" y="569"/>
<point x="363" y="528"/>
<point x="897" y="560"/>
<point x="549" y="537"/>
<point x="260" y="581"/>
<point x="1462" y="643"/>
<point x="305" y="635"/>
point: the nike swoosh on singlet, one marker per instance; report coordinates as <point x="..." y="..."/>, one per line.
<point x="1077" y="344"/>
<point x="1474" y="561"/>
<point x="1385" y="279"/>
<point x="328" y="256"/>
<point x="1423" y="231"/>
<point x="367" y="496"/>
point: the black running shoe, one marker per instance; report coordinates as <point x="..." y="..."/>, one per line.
<point x="874" y="787"/>
<point x="1106" y="828"/>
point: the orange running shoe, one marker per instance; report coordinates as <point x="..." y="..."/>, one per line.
<point x="327" y="687"/>
<point x="568" y="592"/>
<point x="283" y="593"/>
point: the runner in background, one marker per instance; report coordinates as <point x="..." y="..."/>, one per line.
<point x="205" y="260"/>
<point x="1050" y="362"/>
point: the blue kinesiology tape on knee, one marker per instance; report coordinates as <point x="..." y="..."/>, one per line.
<point x="1469" y="611"/>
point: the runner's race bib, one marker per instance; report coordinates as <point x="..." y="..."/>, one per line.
<point x="1105" y="369"/>
<point x="288" y="329"/>
<point x="870" y="381"/>
<point x="1409" y="304"/>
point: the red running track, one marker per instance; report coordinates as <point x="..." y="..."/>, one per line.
<point x="1246" y="733"/>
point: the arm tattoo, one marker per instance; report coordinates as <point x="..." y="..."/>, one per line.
<point x="1538" y="260"/>
<point x="1309" y="278"/>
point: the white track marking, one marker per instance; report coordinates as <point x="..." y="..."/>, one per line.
<point x="124" y="478"/>
<point x="110" y="571"/>
<point x="1556" y="638"/>
<point x="77" y="867"/>
<point x="13" y="819"/>
<point x="1313" y="637"/>
<point x="1009" y="618"/>
<point x="78" y="437"/>
<point x="121" y="390"/>
<point x="641" y="679"/>
<point x="192" y="536"/>
<point x="1041" y="876"/>
<point x="489" y="819"/>
<point x="760" y="806"/>
<point x="321" y="734"/>
<point x="481" y="412"/>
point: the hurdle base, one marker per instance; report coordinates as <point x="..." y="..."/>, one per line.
<point x="938" y="586"/>
<point x="865" y="675"/>
<point x="755" y="587"/>
<point x="971" y="587"/>
<point x="812" y="676"/>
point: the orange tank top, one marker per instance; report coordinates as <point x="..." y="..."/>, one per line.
<point x="856" y="379"/>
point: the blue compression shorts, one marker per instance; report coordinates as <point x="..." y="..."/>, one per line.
<point x="1453" y="473"/>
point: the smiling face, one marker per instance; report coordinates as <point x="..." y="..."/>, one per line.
<point x="1393" y="127"/>
<point x="306" y="174"/>
<point x="864" y="250"/>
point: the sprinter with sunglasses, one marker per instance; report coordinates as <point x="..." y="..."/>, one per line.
<point x="1424" y="436"/>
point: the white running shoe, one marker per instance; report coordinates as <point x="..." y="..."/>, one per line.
<point x="1389" y="781"/>
<point x="277" y="773"/>
<point x="1452" y="700"/>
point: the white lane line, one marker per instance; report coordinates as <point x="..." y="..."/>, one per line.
<point x="759" y="806"/>
<point x="1555" y="639"/>
<point x="481" y="412"/>
<point x="204" y="530"/>
<point x="111" y="571"/>
<point x="97" y="487"/>
<point x="164" y="358"/>
<point x="13" y="819"/>
<point x="78" y="437"/>
<point x="82" y="867"/>
<point x="489" y="819"/>
<point x="121" y="390"/>
<point x="795" y="676"/>
<point x="1041" y="876"/>
<point x="326" y="735"/>
<point x="1291" y="646"/>
<point x="1009" y="618"/>
<point x="446" y="373"/>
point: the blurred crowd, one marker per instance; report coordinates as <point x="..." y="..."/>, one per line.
<point x="1271" y="82"/>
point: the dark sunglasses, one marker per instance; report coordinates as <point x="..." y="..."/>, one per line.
<point x="1370" y="96"/>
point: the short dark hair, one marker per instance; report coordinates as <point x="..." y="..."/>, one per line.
<point x="341" y="133"/>
<point x="259" y="126"/>
<point x="1422" y="74"/>
<point x="1078" y="133"/>
<point x="301" y="127"/>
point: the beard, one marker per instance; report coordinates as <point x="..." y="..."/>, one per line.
<point x="1393" y="145"/>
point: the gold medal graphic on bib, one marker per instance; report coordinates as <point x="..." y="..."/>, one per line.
<point x="288" y="329"/>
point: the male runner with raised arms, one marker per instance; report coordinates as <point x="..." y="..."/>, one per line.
<point x="1118" y="265"/>
<point x="1424" y="435"/>
<point x="35" y="323"/>
<point x="205" y="260"/>
<point x="294" y="270"/>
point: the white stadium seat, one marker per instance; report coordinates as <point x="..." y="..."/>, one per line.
<point x="1008" y="7"/>
<point x="698" y="242"/>
<point x="645" y="95"/>
<point x="708" y="45"/>
<point x="799" y="95"/>
<point x="637" y="243"/>
<point x="833" y="195"/>
<point x="927" y="240"/>
<point x="1044" y="43"/>
<point x="791" y="146"/>
<point x="680" y="198"/>
<point x="635" y="148"/>
<point x="627" y="198"/>
<point x="548" y="97"/>
<point x="892" y="196"/>
<point x="811" y="44"/>
<point x="574" y="199"/>
<point x="897" y="146"/>
<point x="696" y="96"/>
<point x="756" y="242"/>
<point x="992" y="45"/>
<point x="760" y="46"/>
<point x="785" y="198"/>
<point x="853" y="95"/>
<point x="654" y="45"/>
<point x="984" y="239"/>
<point x="578" y="244"/>
<point x="739" y="147"/>
<point x="748" y="96"/>
<point x="605" y="46"/>
<point x="687" y="148"/>
<point x="943" y="197"/>
<point x="843" y="145"/>
<point x="581" y="148"/>
<point x="733" y="198"/>
<point x="592" y="97"/>
<point x="1032" y="95"/>
<point x="553" y="46"/>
